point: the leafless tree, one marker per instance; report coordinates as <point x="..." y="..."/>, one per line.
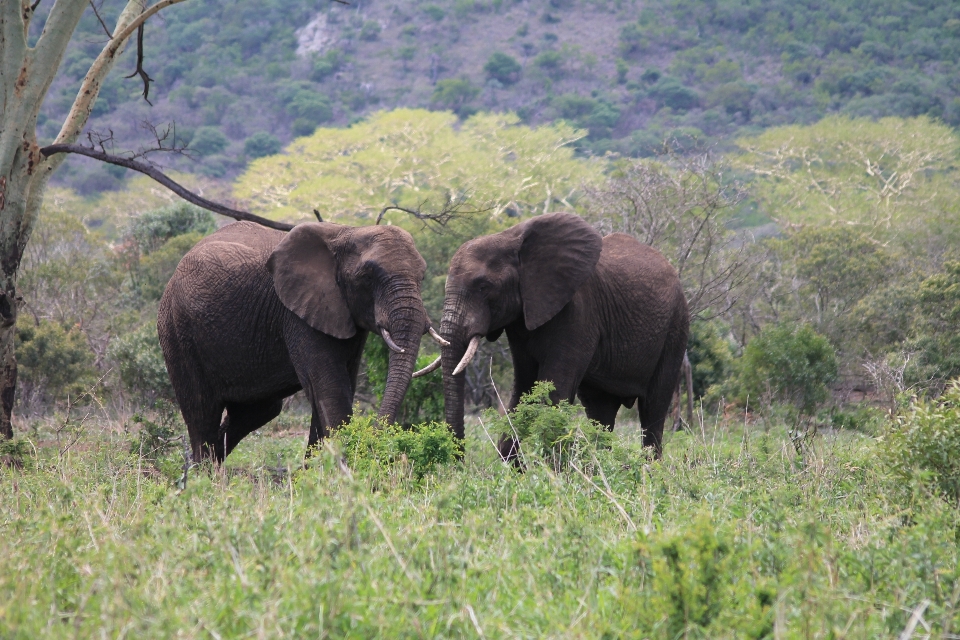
<point x="681" y="206"/>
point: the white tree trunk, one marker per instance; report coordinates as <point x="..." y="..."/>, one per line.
<point x="25" y="77"/>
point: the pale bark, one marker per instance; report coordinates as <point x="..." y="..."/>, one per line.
<point x="25" y="77"/>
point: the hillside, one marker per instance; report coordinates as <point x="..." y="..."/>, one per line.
<point x="241" y="77"/>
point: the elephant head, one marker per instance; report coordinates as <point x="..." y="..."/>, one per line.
<point x="339" y="279"/>
<point x="529" y="271"/>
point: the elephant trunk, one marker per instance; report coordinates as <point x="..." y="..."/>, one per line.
<point x="451" y="328"/>
<point x="404" y="321"/>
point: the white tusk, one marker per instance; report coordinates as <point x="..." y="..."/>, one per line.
<point x="390" y="342"/>
<point x="468" y="356"/>
<point x="436" y="336"/>
<point x="430" y="368"/>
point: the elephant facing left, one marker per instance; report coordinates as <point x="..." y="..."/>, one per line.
<point x="253" y="315"/>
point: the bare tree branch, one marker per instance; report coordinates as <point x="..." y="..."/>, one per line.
<point x="139" y="70"/>
<point x="96" y="12"/>
<point x="160" y="177"/>
<point x="679" y="205"/>
<point x="452" y="208"/>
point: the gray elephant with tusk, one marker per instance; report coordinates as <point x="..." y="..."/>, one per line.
<point x="604" y="319"/>
<point x="253" y="315"/>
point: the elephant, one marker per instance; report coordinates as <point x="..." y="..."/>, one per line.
<point x="602" y="318"/>
<point x="253" y="315"/>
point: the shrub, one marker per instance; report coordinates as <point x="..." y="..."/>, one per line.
<point x="710" y="356"/>
<point x="557" y="434"/>
<point x="502" y="68"/>
<point x="152" y="229"/>
<point x="699" y="584"/>
<point x="370" y="31"/>
<point x="53" y="361"/>
<point x="303" y="127"/>
<point x="788" y="363"/>
<point x="926" y="440"/>
<point x="156" y="439"/>
<point x="453" y="93"/>
<point x="262" y="144"/>
<point x="374" y="448"/>
<point x="434" y="12"/>
<point x="669" y="92"/>
<point x="208" y="141"/>
<point x="310" y="106"/>
<point x="139" y="361"/>
<point x="326" y="65"/>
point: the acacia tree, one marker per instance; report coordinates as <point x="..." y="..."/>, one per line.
<point x="26" y="73"/>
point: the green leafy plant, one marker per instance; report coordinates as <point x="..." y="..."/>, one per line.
<point x="423" y="401"/>
<point x="152" y="229"/>
<point x="788" y="363"/>
<point x="925" y="441"/>
<point x="139" y="361"/>
<point x="208" y="141"/>
<point x="54" y="362"/>
<point x="558" y="434"/>
<point x="503" y="68"/>
<point x="375" y="448"/>
<point x="262" y="144"/>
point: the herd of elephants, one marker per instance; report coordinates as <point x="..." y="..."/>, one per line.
<point x="253" y="315"/>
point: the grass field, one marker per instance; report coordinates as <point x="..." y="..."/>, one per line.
<point x="733" y="535"/>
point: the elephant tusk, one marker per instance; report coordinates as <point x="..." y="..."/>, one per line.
<point x="430" y="368"/>
<point x="436" y="336"/>
<point x="390" y="342"/>
<point x="468" y="356"/>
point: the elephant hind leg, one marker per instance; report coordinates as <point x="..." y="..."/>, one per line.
<point x="242" y="419"/>
<point x="599" y="405"/>
<point x="654" y="405"/>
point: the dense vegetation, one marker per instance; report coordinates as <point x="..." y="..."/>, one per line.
<point x="243" y="77"/>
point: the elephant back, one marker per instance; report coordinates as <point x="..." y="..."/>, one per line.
<point x="248" y="234"/>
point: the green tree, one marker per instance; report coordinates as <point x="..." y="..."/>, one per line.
<point x="788" y="363"/>
<point x="454" y="93"/>
<point x="54" y="362"/>
<point x="261" y="144"/>
<point x="208" y="141"/>
<point x="502" y="68"/>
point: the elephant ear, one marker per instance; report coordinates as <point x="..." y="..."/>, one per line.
<point x="558" y="253"/>
<point x="305" y="278"/>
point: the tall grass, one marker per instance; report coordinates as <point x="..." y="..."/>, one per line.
<point x="734" y="534"/>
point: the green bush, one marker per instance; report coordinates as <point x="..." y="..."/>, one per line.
<point x="370" y="31"/>
<point x="153" y="228"/>
<point x="557" y="434"/>
<point x="140" y="364"/>
<point x="310" y="106"/>
<point x="326" y="65"/>
<point x="710" y="356"/>
<point x="700" y="588"/>
<point x="262" y="144"/>
<point x="502" y="68"/>
<point x="453" y="93"/>
<point x="376" y="449"/>
<point x="926" y="441"/>
<point x="208" y="141"/>
<point x="787" y="363"/>
<point x="53" y="362"/>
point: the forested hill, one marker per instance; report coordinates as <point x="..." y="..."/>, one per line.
<point x="242" y="77"/>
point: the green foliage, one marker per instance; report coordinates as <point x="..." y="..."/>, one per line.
<point x="935" y="335"/>
<point x="140" y="363"/>
<point x="156" y="439"/>
<point x="454" y="93"/>
<point x="157" y="267"/>
<point x="370" y="31"/>
<point x="701" y="587"/>
<point x="865" y="418"/>
<point x="208" y="141"/>
<point x="669" y="92"/>
<point x="414" y="157"/>
<point x="375" y="449"/>
<point x="423" y="401"/>
<point x="54" y="363"/>
<point x="261" y="144"/>
<point x="434" y="12"/>
<point x="557" y="434"/>
<point x="153" y="229"/>
<point x="326" y="65"/>
<point x="787" y="363"/>
<point x="711" y="356"/>
<point x="503" y="68"/>
<point x="311" y="107"/>
<point x="926" y="441"/>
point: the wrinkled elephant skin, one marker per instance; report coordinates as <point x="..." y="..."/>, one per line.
<point x="253" y="315"/>
<point x="604" y="319"/>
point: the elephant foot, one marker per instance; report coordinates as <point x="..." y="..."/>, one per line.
<point x="509" y="449"/>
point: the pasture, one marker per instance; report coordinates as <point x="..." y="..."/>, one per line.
<point x="739" y="532"/>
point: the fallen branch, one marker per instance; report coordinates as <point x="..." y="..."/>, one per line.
<point x="163" y="179"/>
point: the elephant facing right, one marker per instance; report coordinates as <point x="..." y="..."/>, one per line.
<point x="603" y="318"/>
